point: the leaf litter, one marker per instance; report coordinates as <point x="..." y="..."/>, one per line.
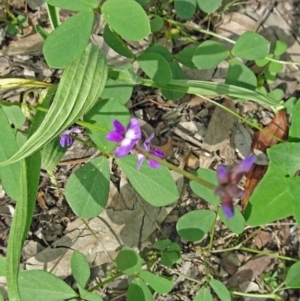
<point x="197" y="137"/>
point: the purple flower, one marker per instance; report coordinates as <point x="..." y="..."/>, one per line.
<point x="154" y="151"/>
<point x="66" y="139"/>
<point x="228" y="181"/>
<point x="127" y="138"/>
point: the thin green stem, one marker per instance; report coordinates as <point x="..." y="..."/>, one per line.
<point x="101" y="284"/>
<point x="282" y="62"/>
<point x="185" y="276"/>
<point x="239" y="247"/>
<point x="241" y="118"/>
<point x="6" y="7"/>
<point x="272" y="296"/>
<point x="212" y="234"/>
<point x="179" y="170"/>
<point x="200" y="30"/>
<point x="269" y="254"/>
<point x="280" y="287"/>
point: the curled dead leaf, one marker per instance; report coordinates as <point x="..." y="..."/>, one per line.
<point x="167" y="148"/>
<point x="275" y="132"/>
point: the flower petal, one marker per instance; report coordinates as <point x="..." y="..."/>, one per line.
<point x="227" y="206"/>
<point x="119" y="127"/>
<point x="157" y="153"/>
<point x="133" y="130"/>
<point x="234" y="191"/>
<point x="114" y="136"/>
<point x="75" y="130"/>
<point x="223" y="175"/>
<point x="140" y="161"/>
<point x="147" y="142"/>
<point x="242" y="168"/>
<point x="125" y="147"/>
<point x="65" y="140"/>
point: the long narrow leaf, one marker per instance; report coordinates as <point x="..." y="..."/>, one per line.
<point x="21" y="221"/>
<point x="212" y="88"/>
<point x="81" y="85"/>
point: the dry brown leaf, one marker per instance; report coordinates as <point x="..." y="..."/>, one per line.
<point x="263" y="140"/>
<point x="252" y="268"/>
<point x="167" y="148"/>
<point x="262" y="238"/>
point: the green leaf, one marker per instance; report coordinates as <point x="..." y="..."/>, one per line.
<point x="125" y="73"/>
<point x="138" y="290"/>
<point x="10" y="174"/>
<point x="159" y="284"/>
<point x="171" y="255"/>
<point x="2" y="266"/>
<point x="286" y="156"/>
<point x="101" y="116"/>
<point x="77" y="5"/>
<point x="1" y="297"/>
<point x="204" y="295"/>
<point x="293" y="276"/>
<point x="41" y="31"/>
<point x="270" y="78"/>
<point x="294" y="185"/>
<point x="88" y="296"/>
<point x="240" y="75"/>
<point x="114" y="41"/>
<point x="213" y="88"/>
<point x="159" y="49"/>
<point x="127" y="18"/>
<point x="289" y="106"/>
<point x="267" y="205"/>
<point x="194" y="225"/>
<point x="177" y="73"/>
<point x="80" y="269"/>
<point x="28" y="184"/>
<point x="52" y="153"/>
<point x="279" y="48"/>
<point x="294" y="131"/>
<point x="156" y="186"/>
<point x="88" y="187"/>
<point x="129" y="262"/>
<point x="53" y="14"/>
<point x="251" y="46"/>
<point x="203" y="192"/>
<point x="142" y="2"/>
<point x="220" y="289"/>
<point x="262" y="62"/>
<point x="185" y="56"/>
<point x="275" y="67"/>
<point x="117" y="90"/>
<point x="14" y="115"/>
<point x="156" y="67"/>
<point x="185" y="9"/>
<point x="209" y="54"/>
<point x="80" y="86"/>
<point x="36" y="283"/>
<point x="209" y="6"/>
<point x="236" y="224"/>
<point x="276" y="94"/>
<point x="68" y="41"/>
<point x="156" y="24"/>
<point x="162" y="244"/>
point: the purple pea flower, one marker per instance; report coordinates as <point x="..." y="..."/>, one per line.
<point x="66" y="139"/>
<point x="154" y="151"/>
<point x="228" y="181"/>
<point x="127" y="138"/>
